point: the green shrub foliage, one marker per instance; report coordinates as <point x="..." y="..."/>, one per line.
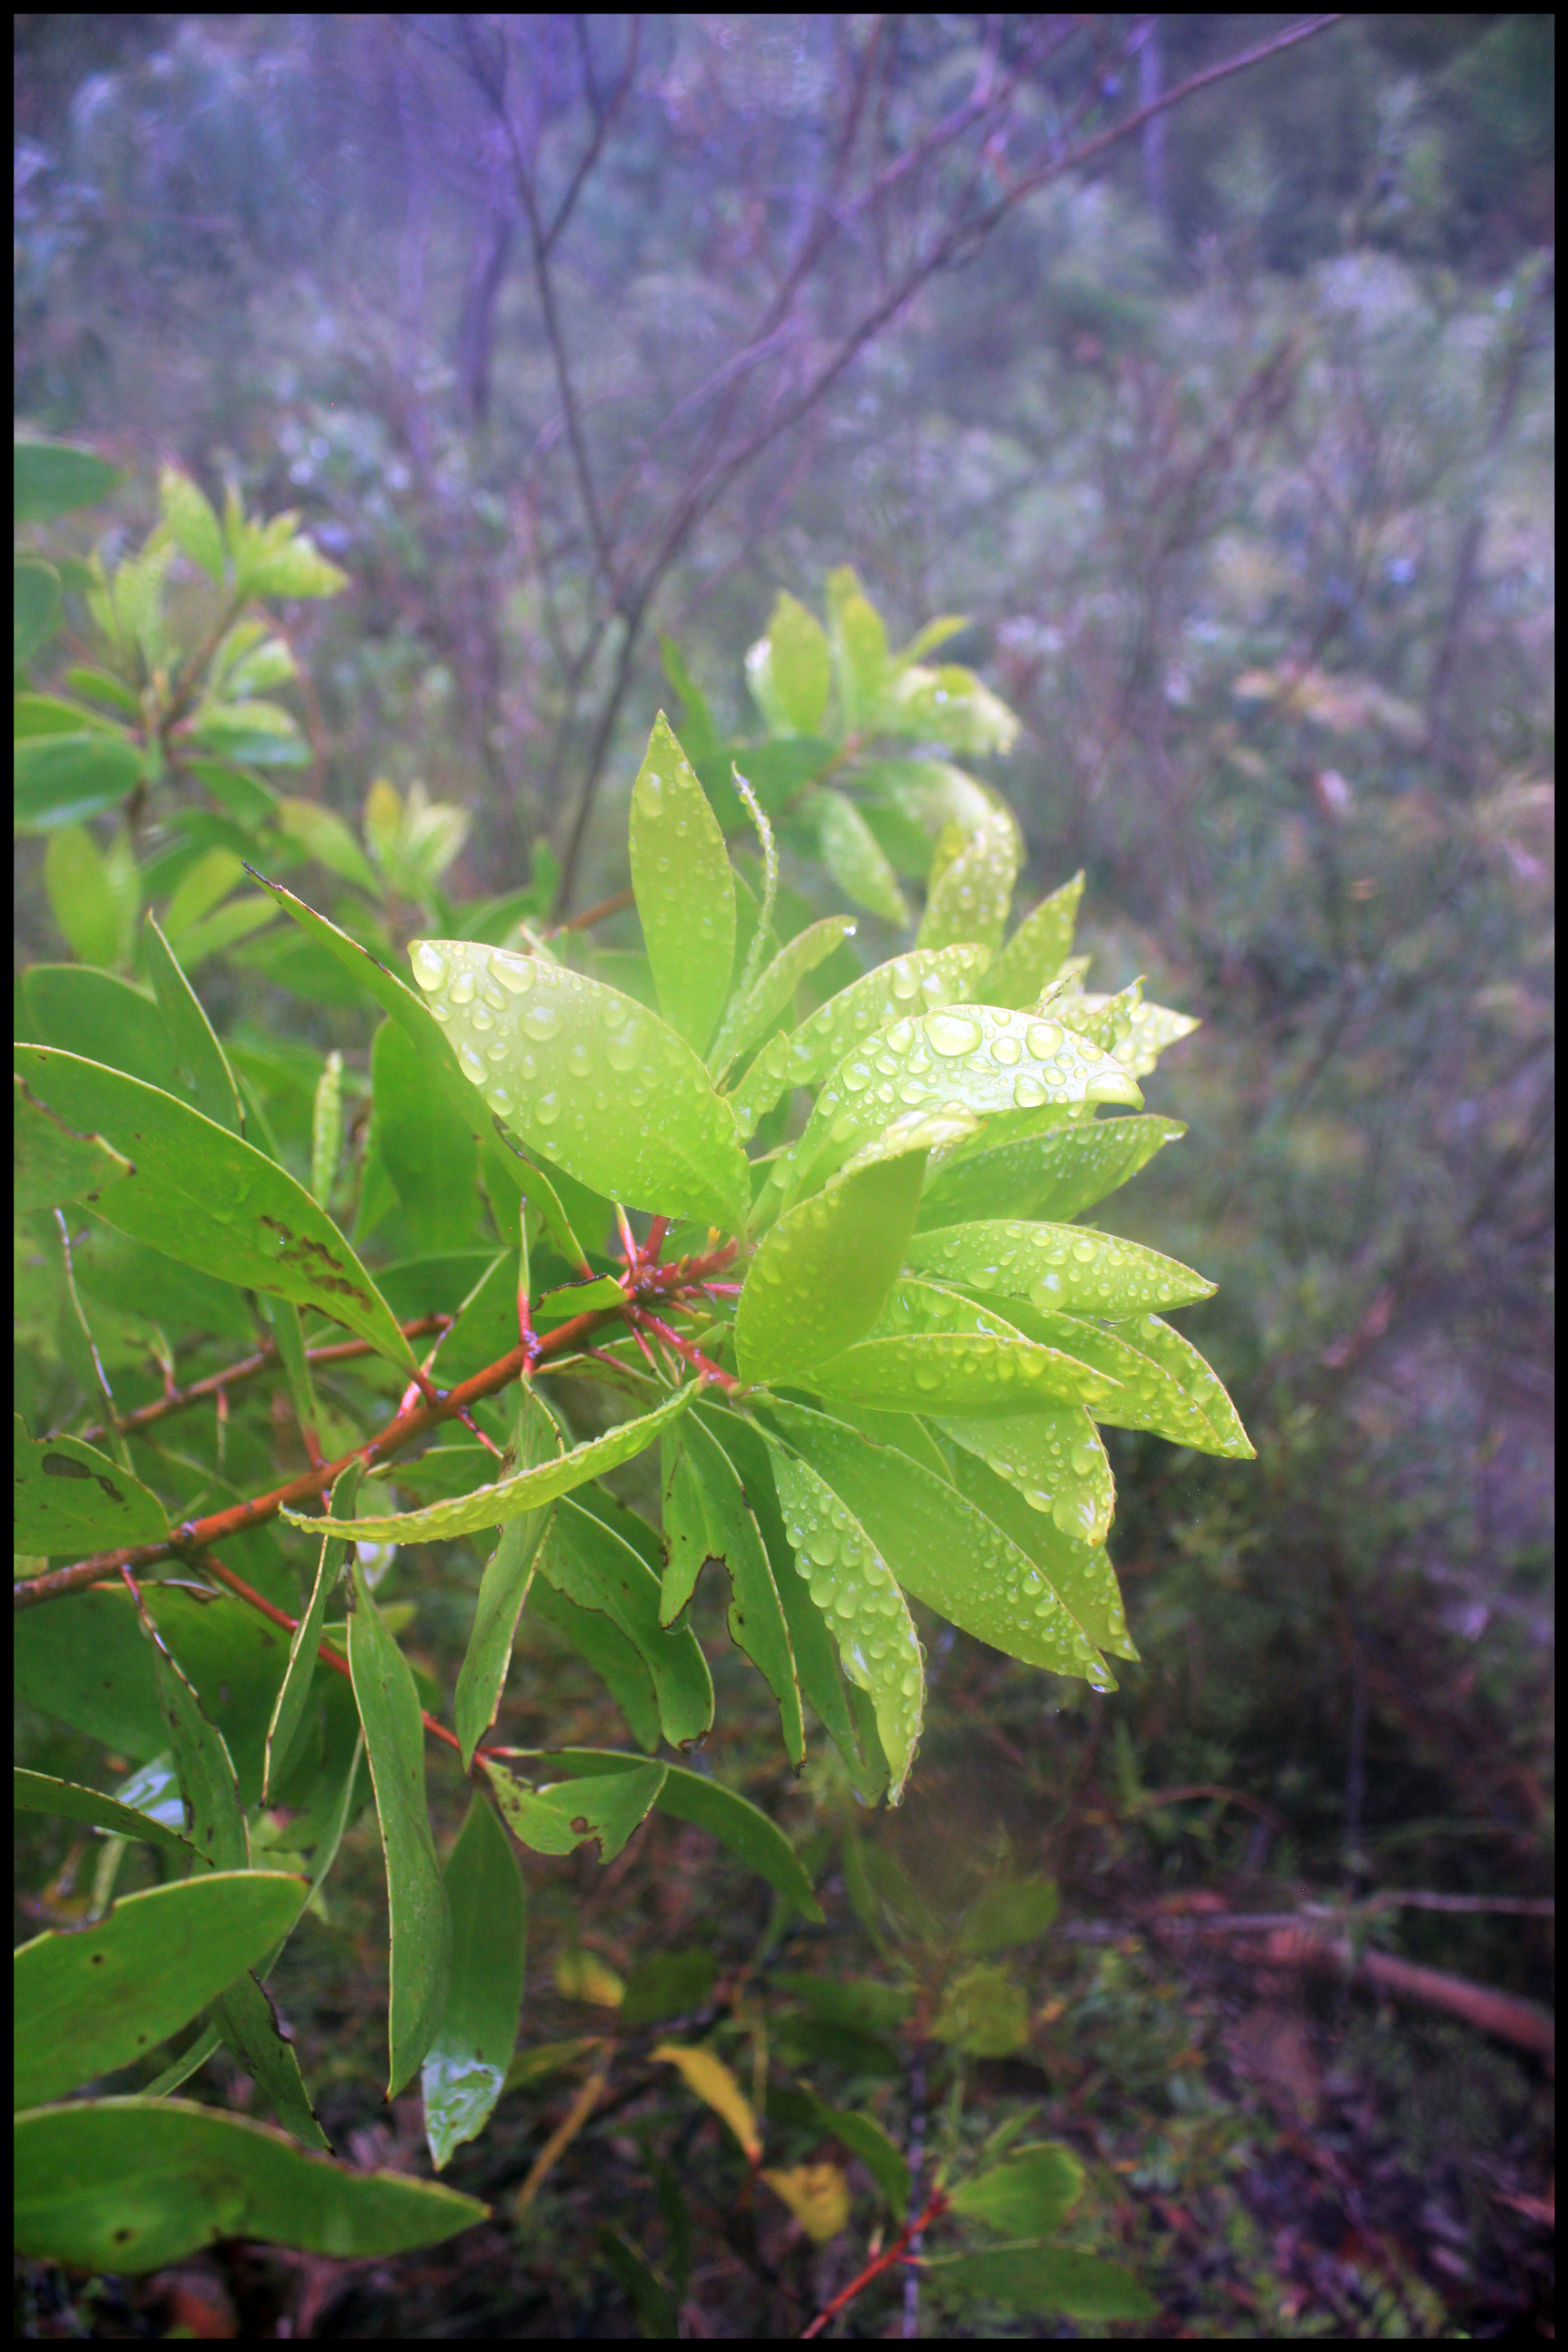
<point x="810" y="1237"/>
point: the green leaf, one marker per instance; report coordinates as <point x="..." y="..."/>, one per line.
<point x="855" y="859"/>
<point x="465" y="2067"/>
<point x="207" y="1198"/>
<point x="264" y="735"/>
<point x="1037" y="949"/>
<point x="503" y="1588"/>
<point x="294" y="1691"/>
<point x="191" y="523"/>
<point x="249" y="2027"/>
<point x="816" y="1659"/>
<point x="102" y="1997"/>
<point x="668" y="1984"/>
<point x="858" y="1597"/>
<point x="559" y="1817"/>
<point x="1178" y="1358"/>
<point x="291" y="565"/>
<point x="1151" y="1028"/>
<point x="66" y="779"/>
<point x="1015" y="1911"/>
<point x="708" y="1805"/>
<point x="38" y="1793"/>
<point x="820" y="1277"/>
<point x="102" y="1018"/>
<point x="102" y="686"/>
<point x="51" y="1162"/>
<point x="52" y="479"/>
<point x="1057" y="1174"/>
<point x="1058" y="1267"/>
<point x="942" y="1550"/>
<point x="34" y="606"/>
<point x="590" y="1078"/>
<point x="977" y="1057"/>
<point x="859" y="647"/>
<point x="861" y="2134"/>
<point x="1044" y="2280"/>
<point x="1055" y="1458"/>
<point x="724" y="1528"/>
<point x="209" y="1081"/>
<point x="132" y="2185"/>
<point x="426" y="1147"/>
<point x="685" y="889"/>
<point x="526" y="1490"/>
<point x="323" y="834"/>
<point x="790" y="671"/>
<point x="69" y="1497"/>
<point x="1029" y="2196"/>
<point x="983" y="2012"/>
<point x="750" y="1016"/>
<point x="1079" y="1574"/>
<point x="949" y="705"/>
<point x="1148" y="1397"/>
<point x="598" y="1569"/>
<point x="214" y="1818"/>
<point x="93" y="896"/>
<point x="570" y="1299"/>
<point x="970" y="897"/>
<point x="499" y="1164"/>
<point x="420" y="1917"/>
<point x="698" y="736"/>
<point x="848" y="1020"/>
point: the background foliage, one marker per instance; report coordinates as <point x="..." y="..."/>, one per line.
<point x="1235" y="445"/>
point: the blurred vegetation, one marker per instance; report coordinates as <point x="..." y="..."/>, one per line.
<point x="1235" y="445"/>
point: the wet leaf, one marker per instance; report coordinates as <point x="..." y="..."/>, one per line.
<point x="525" y="1490"/>
<point x="465" y="2068"/>
<point x="685" y="889"/>
<point x="723" y="1526"/>
<point x="855" y="859"/>
<point x="942" y="1550"/>
<point x="299" y="1674"/>
<point x="970" y="897"/>
<point x="1056" y="1267"/>
<point x="752" y="1015"/>
<point x="1037" y="949"/>
<point x="1053" y="1456"/>
<point x="588" y="1077"/>
<point x="789" y="671"/>
<point x="1057" y="1174"/>
<point x="596" y="1569"/>
<point x="858" y="1596"/>
<point x="1080" y="1574"/>
<point x="819" y="1280"/>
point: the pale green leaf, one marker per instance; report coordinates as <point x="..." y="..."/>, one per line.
<point x="1055" y="1458"/>
<point x="588" y="1077"/>
<point x="969" y="898"/>
<point x="976" y="1056"/>
<point x="1013" y="1911"/>
<point x="295" y="1688"/>
<point x="855" y="859"/>
<point x="91" y="895"/>
<point x="685" y="889"/>
<point x="858" y="1596"/>
<point x="208" y="1078"/>
<point x="1079" y="1574"/>
<point x="1037" y="949"/>
<point x="849" y="1019"/>
<point x="1178" y="1358"/>
<point x="941" y="1549"/>
<point x="860" y="647"/>
<point x="1153" y="1027"/>
<point x="1056" y="1267"/>
<point x="819" y="1277"/>
<point x="952" y="1372"/>
<point x="950" y="704"/>
<point x="790" y="671"/>
<point x="1148" y="1396"/>
<point x="51" y="1162"/>
<point x="1057" y="1174"/>
<point x="752" y="1015"/>
<point x="191" y="523"/>
<point x="323" y="834"/>
<point x="527" y="1490"/>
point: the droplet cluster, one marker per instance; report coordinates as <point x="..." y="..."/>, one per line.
<point x="971" y="899"/>
<point x="1055" y="1459"/>
<point x="851" y="1018"/>
<point x="858" y="1597"/>
<point x="585" y="1075"/>
<point x="1148" y="1397"/>
<point x="1057" y="1267"/>
<point x="977" y="1057"/>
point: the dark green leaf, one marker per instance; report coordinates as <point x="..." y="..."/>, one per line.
<point x="52" y="479"/>
<point x="132" y="2185"/>
<point x="556" y="1818"/>
<point x="53" y="1163"/>
<point x="609" y="1654"/>
<point x="465" y="2067"/>
<point x="102" y="1018"/>
<point x="36" y="1792"/>
<point x="1044" y="2280"/>
<point x="428" y="1150"/>
<point x="504" y="1586"/>
<point x="1015" y="1911"/>
<point x="66" y="779"/>
<point x="295" y="1688"/>
<point x="592" y="1565"/>
<point x="206" y="1198"/>
<point x="1026" y="2197"/>
<point x="102" y="1997"/>
<point x="209" y="1082"/>
<point x="34" y="606"/>
<point x="668" y="1984"/>
<point x="855" y="858"/>
<point x="729" y="1532"/>
<point x="421" y="1919"/>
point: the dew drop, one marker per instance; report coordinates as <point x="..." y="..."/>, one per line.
<point x="473" y="1065"/>
<point x="1044" y="1039"/>
<point x="541" y="1021"/>
<point x="904" y="983"/>
<point x="579" y="1061"/>
<point x="429" y="965"/>
<point x="515" y="973"/>
<point x="1028" y="1093"/>
<point x="464" y="989"/>
<point x="1007" y="1050"/>
<point x="498" y="1099"/>
<point x="547" y="1110"/>
<point x="481" y="1019"/>
<point x="952" y="1033"/>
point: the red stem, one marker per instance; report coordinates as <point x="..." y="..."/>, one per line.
<point x="897" y="2253"/>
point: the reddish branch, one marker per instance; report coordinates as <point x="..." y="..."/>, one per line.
<point x="644" y="1281"/>
<point x="899" y="2252"/>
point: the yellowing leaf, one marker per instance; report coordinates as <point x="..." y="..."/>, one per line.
<point x="580" y="1976"/>
<point x="817" y="2194"/>
<point x="714" y="2084"/>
